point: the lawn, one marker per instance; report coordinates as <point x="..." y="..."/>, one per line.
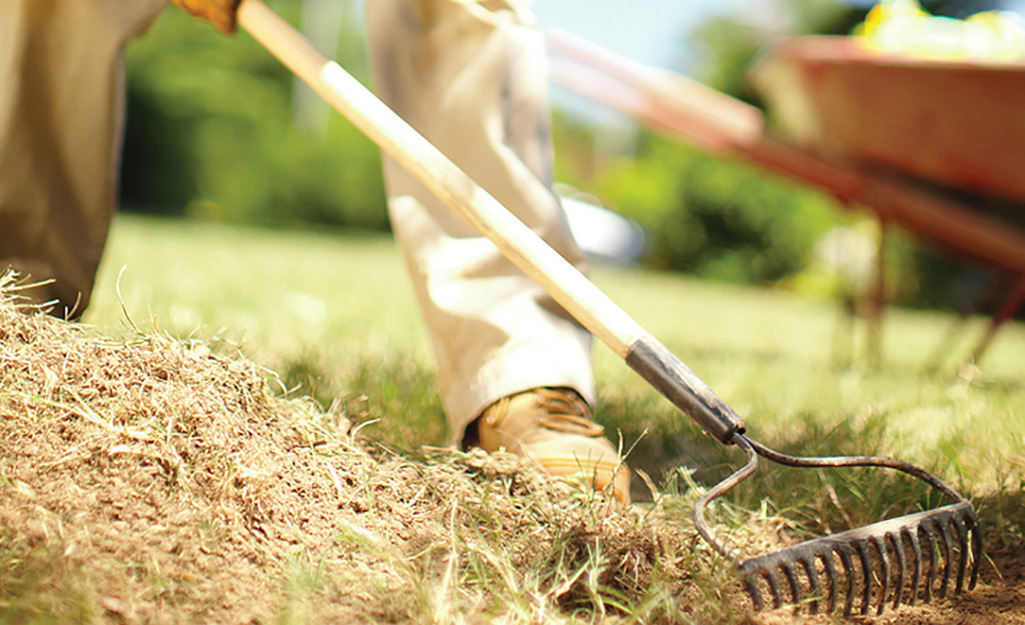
<point x="331" y="315"/>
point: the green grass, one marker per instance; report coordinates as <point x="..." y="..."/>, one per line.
<point x="333" y="315"/>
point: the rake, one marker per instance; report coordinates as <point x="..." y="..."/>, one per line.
<point x="939" y="543"/>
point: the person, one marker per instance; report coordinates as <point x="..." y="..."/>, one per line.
<point x="513" y="367"/>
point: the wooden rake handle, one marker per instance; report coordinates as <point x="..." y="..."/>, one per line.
<point x="521" y="245"/>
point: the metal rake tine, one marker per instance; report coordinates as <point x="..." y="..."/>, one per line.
<point x="880" y="544"/>
<point x="902" y="564"/>
<point x="848" y="569"/>
<point x="976" y="552"/>
<point x="777" y="597"/>
<point x="866" y="571"/>
<point x="930" y="582"/>
<point x="754" y="593"/>
<point x="917" y="550"/>
<point x="813" y="582"/>
<point x="795" y="587"/>
<point x="945" y="532"/>
<point x="827" y="562"/>
<point x="962" y="541"/>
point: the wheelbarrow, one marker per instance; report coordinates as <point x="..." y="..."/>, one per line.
<point x="936" y="147"/>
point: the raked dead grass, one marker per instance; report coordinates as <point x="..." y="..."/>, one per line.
<point x="152" y="479"/>
<point x="155" y="480"/>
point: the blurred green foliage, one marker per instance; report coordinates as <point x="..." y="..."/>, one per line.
<point x="725" y="48"/>
<point x="716" y="218"/>
<point x="722" y="219"/>
<point x="706" y="215"/>
<point x="212" y="132"/>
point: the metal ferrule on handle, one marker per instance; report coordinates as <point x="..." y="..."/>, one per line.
<point x="671" y="377"/>
<point x="521" y="245"/>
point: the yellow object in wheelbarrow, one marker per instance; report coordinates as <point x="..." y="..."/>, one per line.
<point x="957" y="123"/>
<point x="902" y="28"/>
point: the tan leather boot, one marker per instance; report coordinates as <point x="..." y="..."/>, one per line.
<point x="554" y="427"/>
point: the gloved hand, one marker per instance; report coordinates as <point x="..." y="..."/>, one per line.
<point x="221" y="13"/>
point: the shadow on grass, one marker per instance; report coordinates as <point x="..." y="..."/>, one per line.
<point x="390" y="396"/>
<point x="1002" y="513"/>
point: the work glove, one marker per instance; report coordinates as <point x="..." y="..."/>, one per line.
<point x="220" y="13"/>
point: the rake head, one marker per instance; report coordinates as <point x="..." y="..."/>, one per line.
<point x="892" y="562"/>
<point x="871" y="564"/>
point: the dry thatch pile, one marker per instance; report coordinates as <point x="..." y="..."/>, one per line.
<point x="150" y="480"/>
<point x="154" y="480"/>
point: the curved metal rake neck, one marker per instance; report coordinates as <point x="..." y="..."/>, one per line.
<point x="753" y="449"/>
<point x="721" y="489"/>
<point x="856" y="461"/>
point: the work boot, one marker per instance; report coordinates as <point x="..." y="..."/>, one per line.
<point x="554" y="427"/>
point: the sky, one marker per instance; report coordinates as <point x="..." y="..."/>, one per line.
<point x="649" y="31"/>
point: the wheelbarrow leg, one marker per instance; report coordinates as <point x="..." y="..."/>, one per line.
<point x="983" y="300"/>
<point x="877" y="300"/>
<point x="1010" y="308"/>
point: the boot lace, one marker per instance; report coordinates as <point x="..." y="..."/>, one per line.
<point x="565" y="411"/>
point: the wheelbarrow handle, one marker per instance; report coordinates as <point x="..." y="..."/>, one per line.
<point x="521" y="245"/>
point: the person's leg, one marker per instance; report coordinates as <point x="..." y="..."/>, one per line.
<point x="61" y="111"/>
<point x="472" y="78"/>
<point x="473" y="82"/>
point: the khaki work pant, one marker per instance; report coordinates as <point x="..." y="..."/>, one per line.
<point x="61" y="113"/>
<point x="468" y="75"/>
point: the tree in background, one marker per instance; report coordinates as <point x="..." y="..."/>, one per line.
<point x="212" y="131"/>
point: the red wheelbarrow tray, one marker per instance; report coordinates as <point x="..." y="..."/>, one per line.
<point x="935" y="147"/>
<point x="957" y="123"/>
